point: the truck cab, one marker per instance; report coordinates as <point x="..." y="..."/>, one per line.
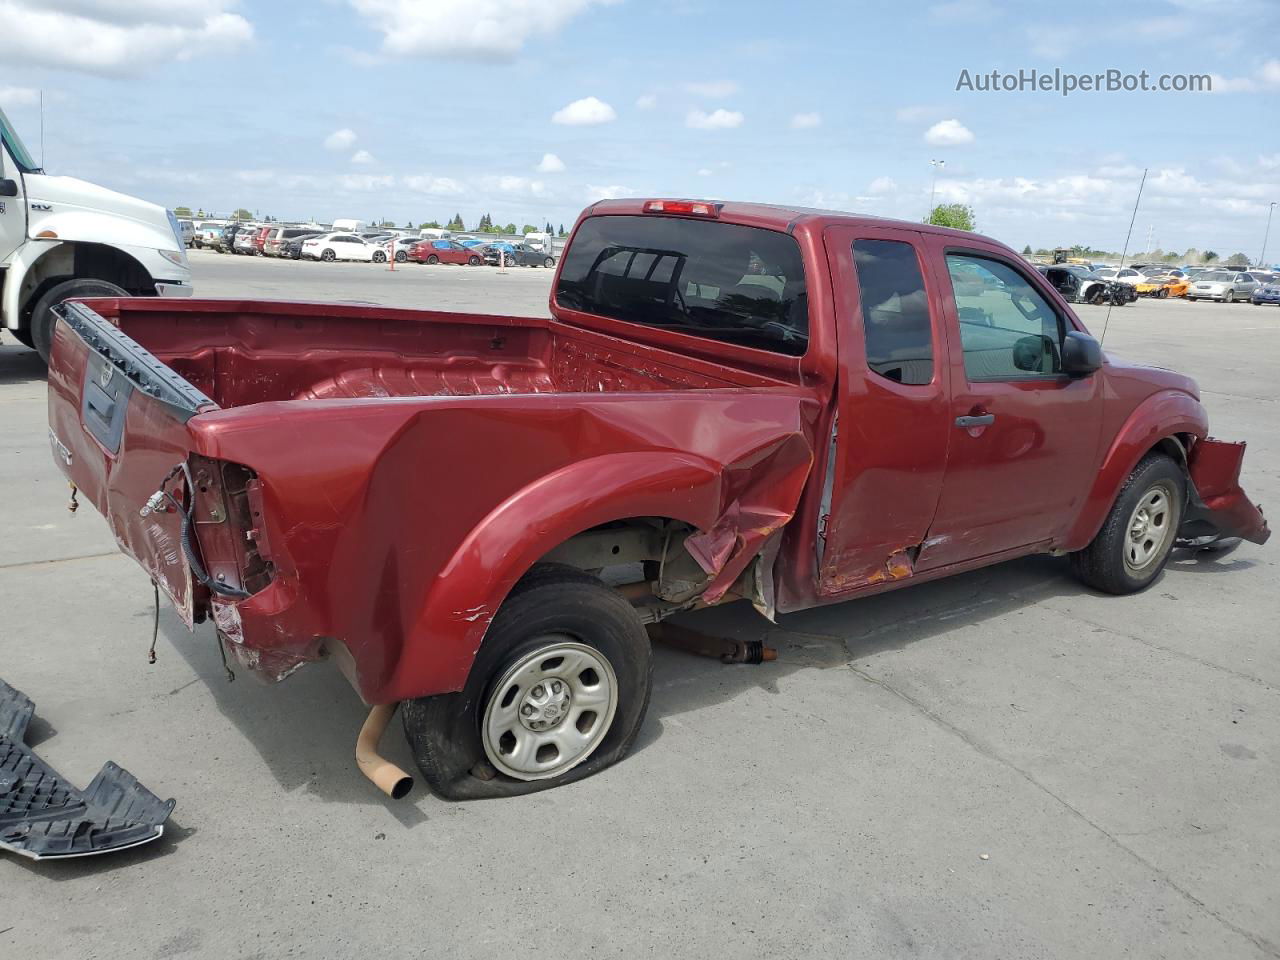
<point x="62" y="238"/>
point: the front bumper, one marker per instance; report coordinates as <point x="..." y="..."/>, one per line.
<point x="173" y="288"/>
<point x="1265" y="298"/>
<point x="1216" y="504"/>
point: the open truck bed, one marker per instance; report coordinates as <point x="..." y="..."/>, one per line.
<point x="368" y="483"/>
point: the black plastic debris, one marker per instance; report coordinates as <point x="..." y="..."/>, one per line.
<point x="44" y="817"/>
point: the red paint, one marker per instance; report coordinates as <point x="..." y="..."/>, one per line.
<point x="411" y="465"/>
<point x="444" y="251"/>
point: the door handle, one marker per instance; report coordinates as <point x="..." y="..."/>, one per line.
<point x="985" y="420"/>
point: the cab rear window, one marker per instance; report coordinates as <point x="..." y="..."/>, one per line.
<point x="719" y="281"/>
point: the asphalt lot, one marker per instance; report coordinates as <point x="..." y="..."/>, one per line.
<point x="997" y="765"/>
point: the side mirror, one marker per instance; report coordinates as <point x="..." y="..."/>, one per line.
<point x="8" y="188"/>
<point x="1081" y="354"/>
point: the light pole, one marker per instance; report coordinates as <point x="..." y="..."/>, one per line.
<point x="1262" y="260"/>
<point x="934" y="185"/>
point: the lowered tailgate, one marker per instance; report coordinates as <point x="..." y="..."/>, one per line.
<point x="118" y="428"/>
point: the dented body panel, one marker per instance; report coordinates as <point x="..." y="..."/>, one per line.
<point x="369" y="483"/>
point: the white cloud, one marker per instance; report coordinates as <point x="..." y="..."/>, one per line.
<point x="713" y="89"/>
<point x="948" y="133"/>
<point x="611" y="192"/>
<point x="1266" y="77"/>
<point x="915" y="113"/>
<point x="100" y="36"/>
<point x="434" y="186"/>
<point x="466" y="28"/>
<point x="806" y="121"/>
<point x="720" y="119"/>
<point x="550" y="163"/>
<point x="363" y="157"/>
<point x="365" y="182"/>
<point x="883" y="185"/>
<point x="587" y="112"/>
<point x="19" y="96"/>
<point x="512" y="184"/>
<point x="705" y="171"/>
<point x="1053" y="42"/>
<point x="646" y="102"/>
<point x="340" y="140"/>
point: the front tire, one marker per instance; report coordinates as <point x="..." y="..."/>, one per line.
<point x="401" y="256"/>
<point x="1140" y="531"/>
<point x="42" y="316"/>
<point x="473" y="261"/>
<point x="557" y="692"/>
<point x="379" y="257"/>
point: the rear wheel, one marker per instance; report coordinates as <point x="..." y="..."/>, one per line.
<point x="401" y="256"/>
<point x="328" y="256"/>
<point x="42" y="316"/>
<point x="557" y="692"/>
<point x="1135" y="541"/>
<point x="549" y="262"/>
<point x="433" y="259"/>
<point x="1229" y="297"/>
<point x="379" y="257"/>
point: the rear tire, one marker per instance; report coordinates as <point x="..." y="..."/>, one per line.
<point x="1140" y="531"/>
<point x="458" y="739"/>
<point x="1229" y="297"/>
<point x="328" y="256"/>
<point x="433" y="259"/>
<point x="379" y="257"/>
<point x="42" y="316"/>
<point x="401" y="256"/>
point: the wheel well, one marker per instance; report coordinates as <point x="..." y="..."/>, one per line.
<point x="1175" y="447"/>
<point x="82" y="261"/>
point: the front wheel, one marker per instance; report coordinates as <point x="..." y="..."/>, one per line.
<point x="401" y="256"/>
<point x="1229" y="297"/>
<point x="549" y="262"/>
<point x="379" y="257"/>
<point x="557" y="692"/>
<point x="43" y="319"/>
<point x="1135" y="540"/>
<point x="473" y="261"/>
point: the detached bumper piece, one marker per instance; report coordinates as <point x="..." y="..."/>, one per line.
<point x="1217" y="506"/>
<point x="44" y="817"/>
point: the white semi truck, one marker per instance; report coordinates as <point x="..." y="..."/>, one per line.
<point x="62" y="238"/>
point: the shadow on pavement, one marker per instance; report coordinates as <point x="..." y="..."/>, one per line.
<point x="19" y="364"/>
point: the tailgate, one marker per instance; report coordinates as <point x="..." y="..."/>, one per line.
<point x="118" y="428"/>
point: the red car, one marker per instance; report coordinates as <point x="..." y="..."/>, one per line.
<point x="444" y="251"/>
<point x="260" y="240"/>
<point x="477" y="517"/>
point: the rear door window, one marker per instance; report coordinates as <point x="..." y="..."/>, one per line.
<point x="720" y="281"/>
<point x="896" y="324"/>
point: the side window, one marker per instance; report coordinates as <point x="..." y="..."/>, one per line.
<point x="1007" y="329"/>
<point x="441" y="244"/>
<point x="896" y="324"/>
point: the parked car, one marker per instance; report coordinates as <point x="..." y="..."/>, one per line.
<point x="1079" y="284"/>
<point x="278" y="237"/>
<point x="1127" y="275"/>
<point x="211" y="236"/>
<point x="291" y="249"/>
<point x="1226" y="286"/>
<point x="1266" y="293"/>
<point x="243" y="241"/>
<point x="522" y="255"/>
<point x="476" y="517"/>
<point x="401" y="246"/>
<point x="187" y="231"/>
<point x="444" y="251"/>
<point x="342" y="246"/>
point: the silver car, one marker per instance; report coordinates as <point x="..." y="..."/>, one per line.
<point x="1227" y="286"/>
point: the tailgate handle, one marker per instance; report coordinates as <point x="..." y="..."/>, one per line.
<point x="100" y="404"/>
<point x="982" y="420"/>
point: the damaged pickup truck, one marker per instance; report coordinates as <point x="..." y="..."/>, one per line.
<point x="478" y="516"/>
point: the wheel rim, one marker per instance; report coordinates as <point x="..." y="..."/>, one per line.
<point x="1150" y="529"/>
<point x="550" y="710"/>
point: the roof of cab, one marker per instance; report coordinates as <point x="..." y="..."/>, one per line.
<point x="773" y="216"/>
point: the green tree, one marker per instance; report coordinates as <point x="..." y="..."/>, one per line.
<point x="456" y="223"/>
<point x="408" y="224"/>
<point x="528" y="228"/>
<point x="1237" y="260"/>
<point x="510" y="228"/>
<point x="562" y="233"/>
<point x="387" y="223"/>
<point x="242" y="214"/>
<point x="182" y="212"/>
<point x="959" y="216"/>
<point x="429" y="225"/>
<point x="1210" y="256"/>
<point x="1026" y="251"/>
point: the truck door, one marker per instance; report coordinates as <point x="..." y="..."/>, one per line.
<point x="1024" y="435"/>
<point x="13" y="206"/>
<point x="889" y="447"/>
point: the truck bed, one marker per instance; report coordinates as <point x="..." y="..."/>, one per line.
<point x="240" y="353"/>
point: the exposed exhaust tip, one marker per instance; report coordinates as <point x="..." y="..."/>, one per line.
<point x="400" y="789"/>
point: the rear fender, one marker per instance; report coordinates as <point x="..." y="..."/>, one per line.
<point x="1164" y="415"/>
<point x="736" y="506"/>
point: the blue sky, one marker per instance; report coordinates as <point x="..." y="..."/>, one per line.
<point x="416" y="109"/>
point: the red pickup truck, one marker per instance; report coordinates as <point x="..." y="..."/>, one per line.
<point x="477" y="516"/>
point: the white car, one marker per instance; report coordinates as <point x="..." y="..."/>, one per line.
<point x="1127" y="275"/>
<point x="342" y="246"/>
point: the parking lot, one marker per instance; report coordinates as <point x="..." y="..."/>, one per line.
<point x="1001" y="764"/>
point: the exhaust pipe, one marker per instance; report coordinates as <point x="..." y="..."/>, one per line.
<point x="386" y="776"/>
